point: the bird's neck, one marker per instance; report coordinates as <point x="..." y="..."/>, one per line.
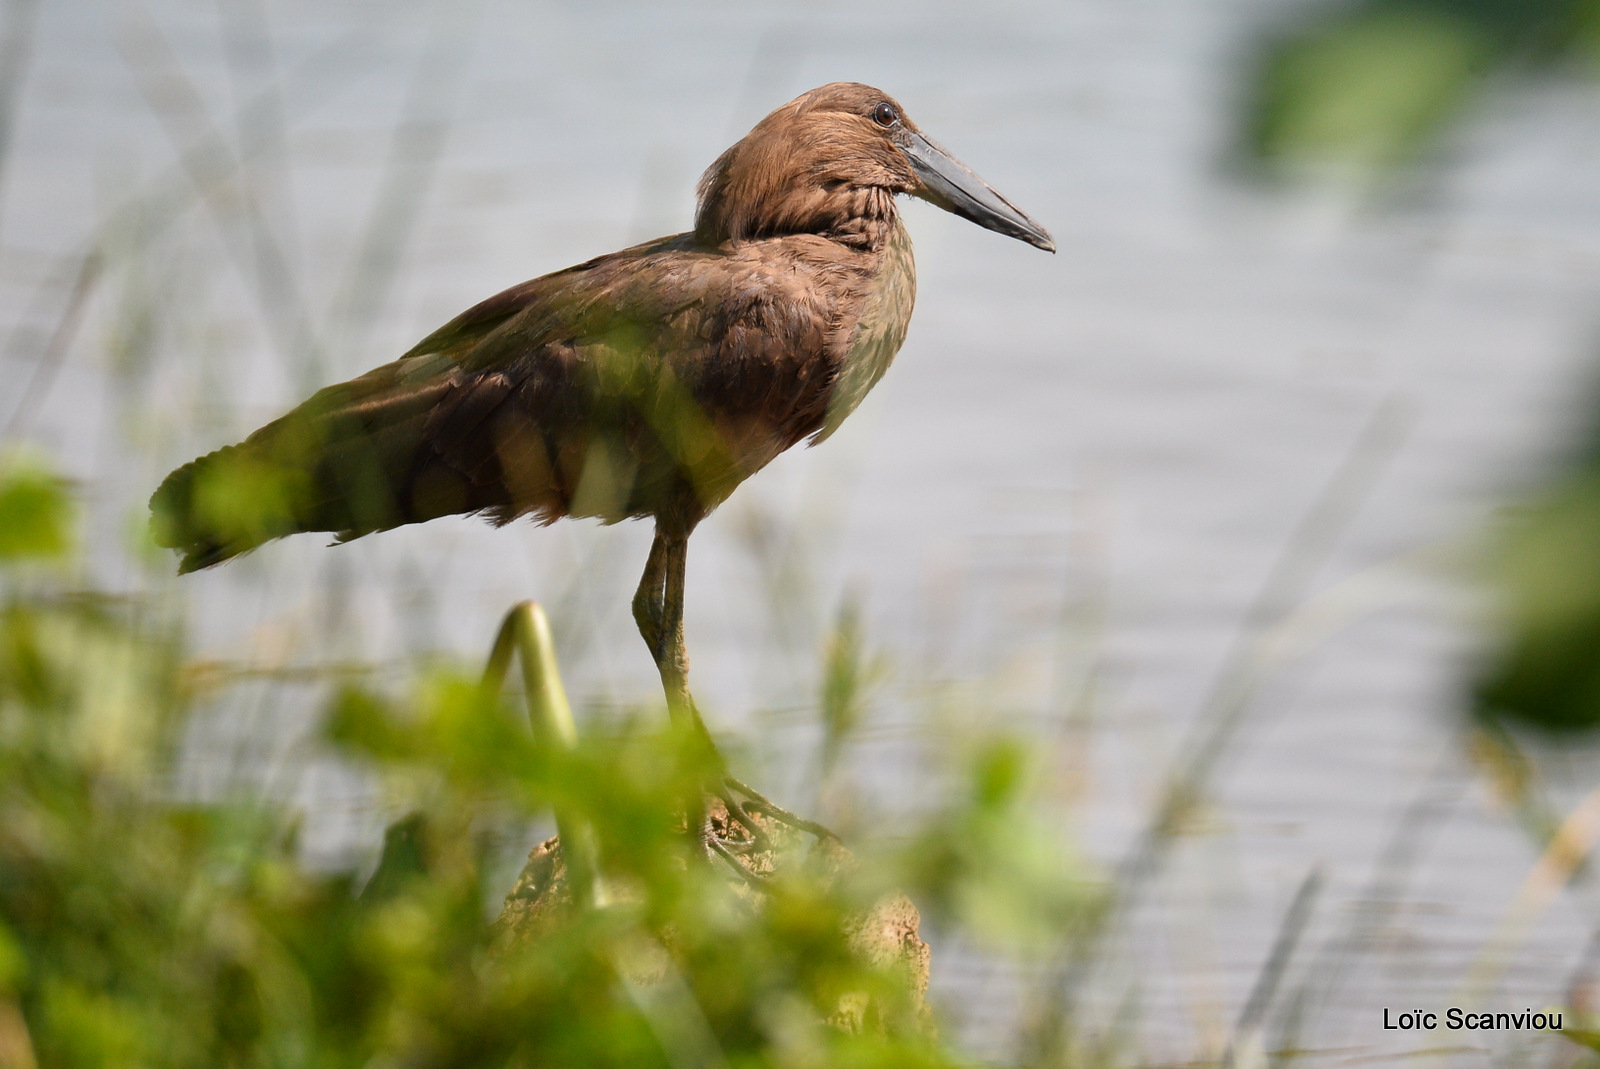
<point x="862" y="218"/>
<point x="869" y="221"/>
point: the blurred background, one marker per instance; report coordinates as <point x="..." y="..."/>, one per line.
<point x="1206" y="508"/>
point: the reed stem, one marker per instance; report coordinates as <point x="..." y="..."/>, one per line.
<point x="525" y="633"/>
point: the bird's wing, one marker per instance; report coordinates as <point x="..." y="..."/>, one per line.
<point x="560" y="299"/>
<point x="666" y="356"/>
<point x="675" y="360"/>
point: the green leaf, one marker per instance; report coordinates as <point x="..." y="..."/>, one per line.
<point x="35" y="513"/>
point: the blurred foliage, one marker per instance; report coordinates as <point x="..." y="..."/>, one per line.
<point x="849" y="674"/>
<point x="989" y="863"/>
<point x="35" y="512"/>
<point x="142" y="928"/>
<point x="1366" y="86"/>
<point x="1369" y="84"/>
<point x="1547" y="671"/>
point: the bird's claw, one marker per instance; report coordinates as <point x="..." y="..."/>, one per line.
<point x="737" y="828"/>
<point x="760" y="803"/>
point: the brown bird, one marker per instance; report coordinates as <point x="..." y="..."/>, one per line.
<point x="649" y="382"/>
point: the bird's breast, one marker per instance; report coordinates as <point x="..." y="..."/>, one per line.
<point x="879" y="332"/>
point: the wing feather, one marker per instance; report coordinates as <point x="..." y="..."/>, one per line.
<point x="665" y="369"/>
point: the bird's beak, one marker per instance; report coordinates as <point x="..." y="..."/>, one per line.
<point x="953" y="186"/>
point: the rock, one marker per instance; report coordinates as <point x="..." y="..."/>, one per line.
<point x="887" y="935"/>
<point x="540" y="899"/>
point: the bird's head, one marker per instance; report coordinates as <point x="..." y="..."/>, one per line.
<point x="830" y="162"/>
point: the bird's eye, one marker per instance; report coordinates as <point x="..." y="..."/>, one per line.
<point x="885" y="115"/>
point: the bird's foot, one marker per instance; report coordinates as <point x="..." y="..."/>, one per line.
<point x="755" y="802"/>
<point x="740" y="827"/>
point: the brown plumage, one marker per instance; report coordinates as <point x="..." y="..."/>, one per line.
<point x="648" y="382"/>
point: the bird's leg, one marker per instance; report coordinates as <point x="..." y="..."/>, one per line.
<point x="672" y="655"/>
<point x="647" y="599"/>
<point x="658" y="610"/>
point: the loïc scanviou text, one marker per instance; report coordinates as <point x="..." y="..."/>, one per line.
<point x="1456" y="1019"/>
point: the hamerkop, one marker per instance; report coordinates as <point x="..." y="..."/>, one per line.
<point x="649" y="382"/>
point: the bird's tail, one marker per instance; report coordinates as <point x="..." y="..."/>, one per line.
<point x="337" y="463"/>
